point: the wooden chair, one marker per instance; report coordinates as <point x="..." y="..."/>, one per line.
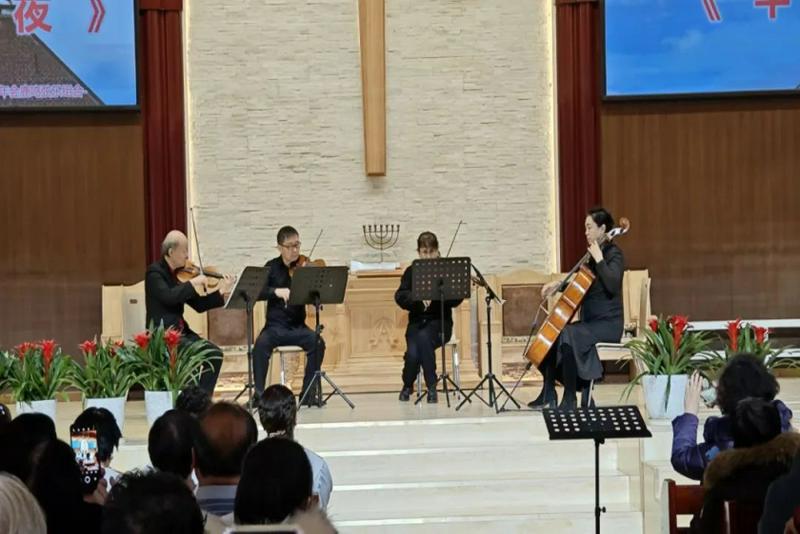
<point x="682" y="500"/>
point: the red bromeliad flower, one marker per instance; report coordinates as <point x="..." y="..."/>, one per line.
<point x="89" y="347"/>
<point x="733" y="334"/>
<point x="23" y="348"/>
<point x="679" y="325"/>
<point x="653" y="324"/>
<point x="142" y="339"/>
<point x="172" y="337"/>
<point x="48" y="350"/>
<point x="761" y="333"/>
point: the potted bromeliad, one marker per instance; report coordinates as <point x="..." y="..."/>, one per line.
<point x="664" y="361"/>
<point x="107" y="374"/>
<point x="164" y="366"/>
<point x="35" y="373"/>
<point x="749" y="338"/>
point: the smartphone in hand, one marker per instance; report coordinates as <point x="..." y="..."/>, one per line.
<point x="84" y="445"/>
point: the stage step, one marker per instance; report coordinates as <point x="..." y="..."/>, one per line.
<point x="474" y="497"/>
<point x="569" y="521"/>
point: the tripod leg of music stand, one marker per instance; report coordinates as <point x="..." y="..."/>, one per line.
<point x="337" y="390"/>
<point x="474" y="392"/>
<point x="315" y="379"/>
<point x="505" y="391"/>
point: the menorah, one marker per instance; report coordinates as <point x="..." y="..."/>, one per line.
<point x="381" y="236"/>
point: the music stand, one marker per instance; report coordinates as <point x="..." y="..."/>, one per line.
<point x="318" y="286"/>
<point x="243" y="296"/>
<point x="598" y="424"/>
<point x="489" y="377"/>
<point x="441" y="279"/>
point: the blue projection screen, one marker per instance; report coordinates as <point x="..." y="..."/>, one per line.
<point x="680" y="47"/>
<point x="68" y="54"/>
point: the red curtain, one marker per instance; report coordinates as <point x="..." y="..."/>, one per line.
<point x="578" y="106"/>
<point x="162" y="119"/>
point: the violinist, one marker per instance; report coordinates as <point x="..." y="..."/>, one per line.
<point x="286" y="323"/>
<point x="573" y="358"/>
<point x="165" y="297"/>
<point x="424" y="330"/>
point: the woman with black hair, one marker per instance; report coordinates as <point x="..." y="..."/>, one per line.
<point x="573" y="358"/>
<point x="743" y="376"/>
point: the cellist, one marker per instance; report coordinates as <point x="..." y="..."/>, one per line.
<point x="573" y="358"/>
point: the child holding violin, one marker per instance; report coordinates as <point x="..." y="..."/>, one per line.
<point x="424" y="330"/>
<point x="166" y="295"/>
<point x="286" y="323"/>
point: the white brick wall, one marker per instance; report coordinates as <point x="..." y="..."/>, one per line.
<point x="276" y="135"/>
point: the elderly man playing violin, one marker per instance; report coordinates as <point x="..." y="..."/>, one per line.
<point x="286" y="324"/>
<point x="166" y="294"/>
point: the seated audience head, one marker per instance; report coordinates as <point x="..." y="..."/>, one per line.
<point x="193" y="400"/>
<point x="228" y="432"/>
<point x="151" y="503"/>
<point x="19" y="438"/>
<point x="108" y="433"/>
<point x="21" y="513"/>
<point x="171" y="442"/>
<point x="755" y="421"/>
<point x="276" y="483"/>
<point x="744" y="376"/>
<point x="277" y="409"/>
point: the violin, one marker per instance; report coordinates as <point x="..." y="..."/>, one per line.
<point x="580" y="279"/>
<point x="306" y="261"/>
<point x="190" y="270"/>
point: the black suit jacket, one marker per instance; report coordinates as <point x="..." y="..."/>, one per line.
<point x="165" y="297"/>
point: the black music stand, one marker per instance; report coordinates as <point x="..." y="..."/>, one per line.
<point x="318" y="286"/>
<point x="441" y="279"/>
<point x="489" y="377"/>
<point x="243" y="296"/>
<point x="598" y="424"/>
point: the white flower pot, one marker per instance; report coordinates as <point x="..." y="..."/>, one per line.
<point x="655" y="395"/>
<point x="114" y="405"/>
<point x="156" y="403"/>
<point x="47" y="407"/>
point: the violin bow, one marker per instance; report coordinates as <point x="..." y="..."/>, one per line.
<point x="452" y="241"/>
<point x="196" y="241"/>
<point x="311" y="252"/>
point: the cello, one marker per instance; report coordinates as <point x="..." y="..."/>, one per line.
<point x="573" y="290"/>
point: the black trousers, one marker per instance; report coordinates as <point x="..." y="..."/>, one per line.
<point x="275" y="336"/>
<point x="210" y="371"/>
<point x="422" y="340"/>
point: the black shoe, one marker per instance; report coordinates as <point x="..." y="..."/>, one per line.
<point x="405" y="394"/>
<point x="539" y="403"/>
<point x="433" y="397"/>
<point x="568" y="403"/>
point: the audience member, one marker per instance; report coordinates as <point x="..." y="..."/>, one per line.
<point x="193" y="400"/>
<point x="277" y="409"/>
<point x="171" y="443"/>
<point x="744" y="376"/>
<point x="151" y="503"/>
<point x="276" y="483"/>
<point x="228" y="432"/>
<point x="761" y="453"/>
<point x="782" y="499"/>
<point x="21" y="513"/>
<point x="5" y="415"/>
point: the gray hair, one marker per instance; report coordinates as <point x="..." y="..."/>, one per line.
<point x="21" y="511"/>
<point x="172" y="240"/>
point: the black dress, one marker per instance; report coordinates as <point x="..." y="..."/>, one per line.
<point x="601" y="318"/>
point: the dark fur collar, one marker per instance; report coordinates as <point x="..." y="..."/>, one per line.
<point x="780" y="450"/>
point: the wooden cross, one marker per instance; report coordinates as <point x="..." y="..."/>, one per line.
<point x="371" y="29"/>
